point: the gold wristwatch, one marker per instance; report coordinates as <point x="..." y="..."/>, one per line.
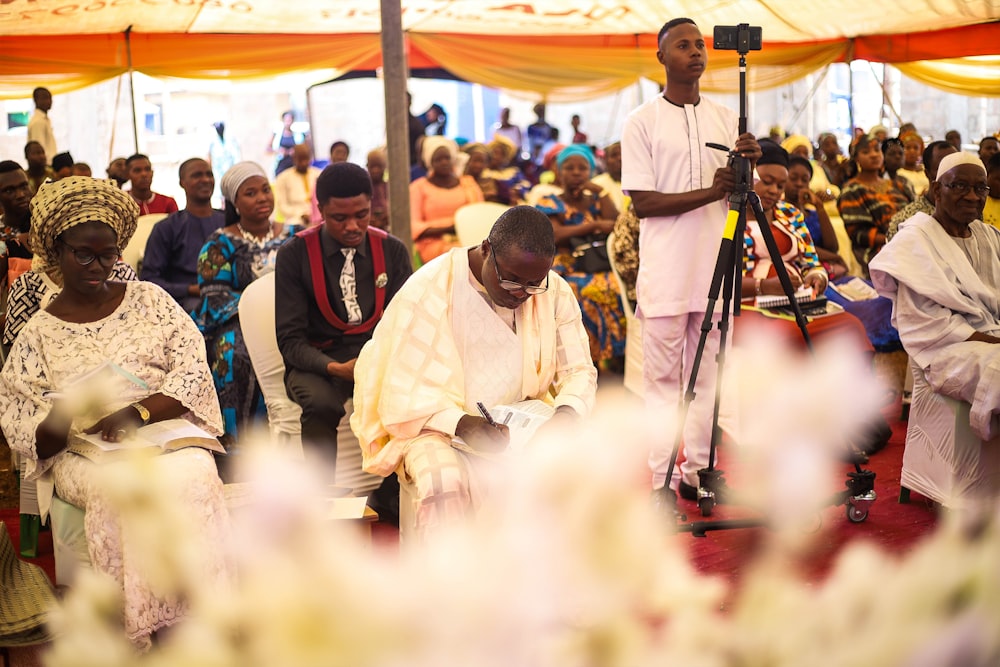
<point x="143" y="412"/>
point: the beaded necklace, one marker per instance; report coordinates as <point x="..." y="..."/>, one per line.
<point x="260" y="242"/>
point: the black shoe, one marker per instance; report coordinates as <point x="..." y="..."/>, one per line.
<point x="686" y="491"/>
<point x="665" y="504"/>
<point x="855" y="456"/>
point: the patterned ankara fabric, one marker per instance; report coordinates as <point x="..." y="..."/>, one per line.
<point x="603" y="314"/>
<point x="867" y="210"/>
<point x="226" y="265"/>
<point x="793" y="241"/>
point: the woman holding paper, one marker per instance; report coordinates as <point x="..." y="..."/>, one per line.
<point x="107" y="357"/>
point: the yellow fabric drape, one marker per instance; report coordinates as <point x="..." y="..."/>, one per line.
<point x="560" y="70"/>
<point x="978" y="76"/>
<point x="554" y="70"/>
<point x="775" y="65"/>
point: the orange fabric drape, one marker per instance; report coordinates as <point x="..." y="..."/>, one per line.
<point x="69" y="62"/>
<point x="560" y="68"/>
<point x="209" y="56"/>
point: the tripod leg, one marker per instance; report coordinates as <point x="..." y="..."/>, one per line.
<point x="725" y="269"/>
<point x="779" y="266"/>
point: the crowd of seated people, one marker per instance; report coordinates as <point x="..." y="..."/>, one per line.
<point x="829" y="214"/>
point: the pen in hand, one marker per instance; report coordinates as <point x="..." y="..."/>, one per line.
<point x="485" y="413"/>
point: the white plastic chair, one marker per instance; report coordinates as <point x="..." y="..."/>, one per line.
<point x="633" y="329"/>
<point x="943" y="458"/>
<point x="473" y="222"/>
<point x="256" y="311"/>
<point x="133" y="253"/>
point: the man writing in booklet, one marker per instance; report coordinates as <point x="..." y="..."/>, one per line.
<point x="489" y="324"/>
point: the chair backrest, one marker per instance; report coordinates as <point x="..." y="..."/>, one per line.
<point x="622" y="290"/>
<point x="473" y="222"/>
<point x="284" y="415"/>
<point x="133" y="253"/>
<point x="256" y="311"/>
<point x="633" y="331"/>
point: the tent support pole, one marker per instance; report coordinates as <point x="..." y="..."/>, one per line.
<point x="809" y="100"/>
<point x="397" y="125"/>
<point x="131" y="87"/>
<point x="850" y="93"/>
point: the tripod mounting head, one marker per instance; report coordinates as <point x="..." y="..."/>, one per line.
<point x="742" y="167"/>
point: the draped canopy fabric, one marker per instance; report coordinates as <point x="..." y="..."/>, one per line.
<point x="557" y="49"/>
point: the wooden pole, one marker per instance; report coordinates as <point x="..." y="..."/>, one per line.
<point x="397" y="125"/>
<point x="131" y="87"/>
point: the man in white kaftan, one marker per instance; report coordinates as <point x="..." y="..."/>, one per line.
<point x="678" y="187"/>
<point x="942" y="273"/>
<point x="489" y="324"/>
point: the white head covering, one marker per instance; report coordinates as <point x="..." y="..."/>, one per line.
<point x="236" y="176"/>
<point x="952" y="160"/>
<point x="430" y="146"/>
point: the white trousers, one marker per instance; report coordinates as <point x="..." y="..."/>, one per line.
<point x="669" y="345"/>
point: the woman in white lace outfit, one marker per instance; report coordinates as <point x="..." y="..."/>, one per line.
<point x="79" y="226"/>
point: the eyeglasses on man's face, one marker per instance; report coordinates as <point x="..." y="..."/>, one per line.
<point x="961" y="188"/>
<point x="86" y="257"/>
<point x="512" y="286"/>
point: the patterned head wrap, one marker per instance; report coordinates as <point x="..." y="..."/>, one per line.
<point x="432" y="144"/>
<point x="237" y="176"/>
<point x="583" y="150"/>
<point x="907" y="136"/>
<point x="509" y="149"/>
<point x="72" y="201"/>
<point x="549" y="159"/>
<point x="475" y="147"/>
<point x="796" y="141"/>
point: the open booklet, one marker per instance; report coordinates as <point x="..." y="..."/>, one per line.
<point x="522" y="418"/>
<point x="803" y="295"/>
<point x="855" y="289"/>
<point x="106" y="378"/>
<point x="156" y="438"/>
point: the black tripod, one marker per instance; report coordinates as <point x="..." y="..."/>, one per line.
<point x="727" y="277"/>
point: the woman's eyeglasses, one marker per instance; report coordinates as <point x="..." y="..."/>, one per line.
<point x="85" y="257"/>
<point x="511" y="286"/>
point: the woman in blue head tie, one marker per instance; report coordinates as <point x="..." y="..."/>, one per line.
<point x="582" y="216"/>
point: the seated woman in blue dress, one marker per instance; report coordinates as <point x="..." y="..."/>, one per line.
<point x="582" y="216"/>
<point x="232" y="258"/>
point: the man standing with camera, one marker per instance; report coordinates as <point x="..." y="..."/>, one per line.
<point x="679" y="188"/>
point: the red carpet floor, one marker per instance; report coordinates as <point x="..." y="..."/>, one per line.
<point x="892" y="526"/>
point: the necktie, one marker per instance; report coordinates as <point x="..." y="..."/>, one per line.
<point x="349" y="287"/>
